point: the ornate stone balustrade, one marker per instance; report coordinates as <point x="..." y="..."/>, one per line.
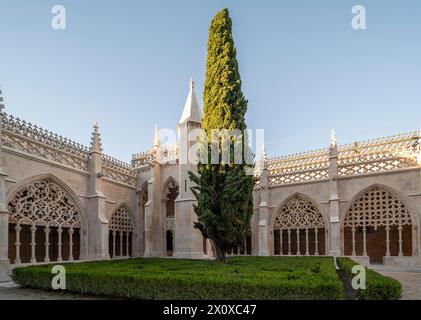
<point x="117" y="170"/>
<point x="301" y="167"/>
<point x="142" y="160"/>
<point x="31" y="139"/>
<point x="169" y="155"/>
<point x="389" y="153"/>
<point x="26" y="137"/>
<point x="165" y="155"/>
<point x="378" y="155"/>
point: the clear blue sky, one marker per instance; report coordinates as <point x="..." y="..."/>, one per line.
<point x="127" y="64"/>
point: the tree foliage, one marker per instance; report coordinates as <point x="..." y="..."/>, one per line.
<point x="223" y="190"/>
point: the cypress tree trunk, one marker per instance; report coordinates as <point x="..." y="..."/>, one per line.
<point x="224" y="190"/>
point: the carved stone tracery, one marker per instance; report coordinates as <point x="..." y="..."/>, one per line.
<point x="378" y="208"/>
<point x="121" y="221"/>
<point x="298" y="213"/>
<point x="43" y="203"/>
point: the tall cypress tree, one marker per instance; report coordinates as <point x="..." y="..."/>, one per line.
<point x="224" y="190"/>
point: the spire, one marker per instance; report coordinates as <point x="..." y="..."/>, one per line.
<point x="264" y="154"/>
<point x="264" y="158"/>
<point x="156" y="140"/>
<point x="333" y="139"/>
<point x="191" y="112"/>
<point x="96" y="145"/>
<point x="1" y="101"/>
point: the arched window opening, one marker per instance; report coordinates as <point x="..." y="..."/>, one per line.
<point x="299" y="229"/>
<point x="378" y="225"/>
<point x="120" y="233"/>
<point x="169" y="243"/>
<point x="171" y="195"/>
<point x="44" y="224"/>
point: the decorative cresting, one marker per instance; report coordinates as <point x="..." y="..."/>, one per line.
<point x="44" y="204"/>
<point x="117" y="170"/>
<point x="378" y="155"/>
<point x="165" y="155"/>
<point x="121" y="233"/>
<point x="376" y="218"/>
<point x="390" y="153"/>
<point x="308" y="166"/>
<point x="26" y="137"/>
<point x="299" y="228"/>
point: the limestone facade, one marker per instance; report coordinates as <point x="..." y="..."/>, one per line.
<point x="61" y="201"/>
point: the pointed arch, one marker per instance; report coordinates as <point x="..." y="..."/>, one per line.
<point x="170" y="193"/>
<point x="45" y="218"/>
<point x="299" y="227"/>
<point x="379" y="222"/>
<point x="121" y="229"/>
<point x="72" y="195"/>
<point x="167" y="182"/>
<point x="305" y="198"/>
<point x="121" y="219"/>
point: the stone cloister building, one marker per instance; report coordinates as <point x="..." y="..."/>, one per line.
<point x="61" y="201"/>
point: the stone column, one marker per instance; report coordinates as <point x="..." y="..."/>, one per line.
<point x="153" y="221"/>
<point x="59" y="244"/>
<point x="97" y="221"/>
<point x="4" y="213"/>
<point x="264" y="232"/>
<point x="335" y="239"/>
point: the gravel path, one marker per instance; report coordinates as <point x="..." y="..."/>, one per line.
<point x="411" y="283"/>
<point x="11" y="292"/>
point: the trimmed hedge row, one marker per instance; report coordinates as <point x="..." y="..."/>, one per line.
<point x="244" y="278"/>
<point x="378" y="287"/>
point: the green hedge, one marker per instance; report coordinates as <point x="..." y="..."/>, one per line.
<point x="378" y="287"/>
<point x="241" y="278"/>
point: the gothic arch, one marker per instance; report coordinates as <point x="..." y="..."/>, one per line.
<point x="299" y="226"/>
<point x="379" y="214"/>
<point x="170" y="192"/>
<point x="121" y="232"/>
<point x="126" y="207"/>
<point x="75" y="199"/>
<point x="45" y="221"/>
<point x="307" y="198"/>
<point x="166" y="183"/>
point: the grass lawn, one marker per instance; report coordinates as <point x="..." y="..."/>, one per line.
<point x="241" y="278"/>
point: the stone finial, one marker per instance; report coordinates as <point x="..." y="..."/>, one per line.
<point x="1" y="101"/>
<point x="156" y="140"/>
<point x="191" y="83"/>
<point x="263" y="156"/>
<point x="262" y="161"/>
<point x="333" y="139"/>
<point x="96" y="145"/>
